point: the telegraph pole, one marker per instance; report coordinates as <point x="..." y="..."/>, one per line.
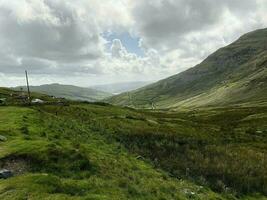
<point x="28" y="87"/>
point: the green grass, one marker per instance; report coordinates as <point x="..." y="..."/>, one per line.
<point x="65" y="157"/>
<point x="222" y="148"/>
<point x="99" y="151"/>
<point x="12" y="97"/>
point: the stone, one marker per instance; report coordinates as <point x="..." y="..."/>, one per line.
<point x="37" y="101"/>
<point x="4" y="173"/>
<point x="3" y="138"/>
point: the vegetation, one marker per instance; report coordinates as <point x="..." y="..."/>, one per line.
<point x="223" y="148"/>
<point x="232" y="75"/>
<point x="99" y="151"/>
<point x="59" y="157"/>
<point x="10" y="97"/>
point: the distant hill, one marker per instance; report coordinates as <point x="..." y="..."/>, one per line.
<point x="234" y="74"/>
<point x="68" y="92"/>
<point x="11" y="97"/>
<point x="117" y="88"/>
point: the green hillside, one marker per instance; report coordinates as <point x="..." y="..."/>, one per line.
<point x="68" y="92"/>
<point x="11" y="97"/>
<point x="60" y="157"/>
<point x="90" y="151"/>
<point x="98" y="151"/>
<point x="232" y="75"/>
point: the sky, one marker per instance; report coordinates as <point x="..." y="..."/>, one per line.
<point x="91" y="42"/>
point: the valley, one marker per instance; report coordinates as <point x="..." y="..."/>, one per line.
<point x="200" y="134"/>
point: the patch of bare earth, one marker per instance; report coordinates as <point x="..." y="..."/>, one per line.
<point x="16" y="165"/>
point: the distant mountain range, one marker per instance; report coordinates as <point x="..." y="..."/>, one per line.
<point x="235" y="74"/>
<point x="68" y="92"/>
<point x="117" y="88"/>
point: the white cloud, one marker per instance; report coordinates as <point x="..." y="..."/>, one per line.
<point x="117" y="49"/>
<point x="57" y="39"/>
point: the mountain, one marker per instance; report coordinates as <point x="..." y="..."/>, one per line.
<point x="234" y="74"/>
<point x="68" y="92"/>
<point x="117" y="88"/>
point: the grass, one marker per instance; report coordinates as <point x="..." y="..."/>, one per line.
<point x="99" y="151"/>
<point x="62" y="157"/>
<point x="222" y="148"/>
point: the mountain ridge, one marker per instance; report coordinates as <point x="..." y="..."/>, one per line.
<point x="225" y="74"/>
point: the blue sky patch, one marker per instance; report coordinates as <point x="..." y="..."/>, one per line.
<point x="129" y="42"/>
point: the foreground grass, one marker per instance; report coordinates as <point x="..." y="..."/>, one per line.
<point x="221" y="148"/>
<point x="63" y="156"/>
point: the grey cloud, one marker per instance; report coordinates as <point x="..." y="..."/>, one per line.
<point x="66" y="39"/>
<point x="47" y="38"/>
<point x="174" y="17"/>
<point x="62" y="38"/>
<point x="164" y="23"/>
<point x="33" y="64"/>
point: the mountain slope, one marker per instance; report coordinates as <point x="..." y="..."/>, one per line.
<point x="69" y="92"/>
<point x="234" y="74"/>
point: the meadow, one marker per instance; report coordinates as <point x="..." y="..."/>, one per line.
<point x="99" y="151"/>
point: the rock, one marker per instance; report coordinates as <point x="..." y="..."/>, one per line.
<point x="4" y="173"/>
<point x="37" y="101"/>
<point x="3" y="138"/>
<point x="140" y="158"/>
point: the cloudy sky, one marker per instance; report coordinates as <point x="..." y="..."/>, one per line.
<point x="88" y="42"/>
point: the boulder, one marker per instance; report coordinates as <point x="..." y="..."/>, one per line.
<point x="2" y="138"/>
<point x="4" y="173"/>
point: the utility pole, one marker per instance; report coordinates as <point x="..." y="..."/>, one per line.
<point x="28" y="87"/>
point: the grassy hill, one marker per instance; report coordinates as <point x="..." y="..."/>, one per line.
<point x="232" y="75"/>
<point x="11" y="97"/>
<point x="98" y="151"/>
<point x="68" y="92"/>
